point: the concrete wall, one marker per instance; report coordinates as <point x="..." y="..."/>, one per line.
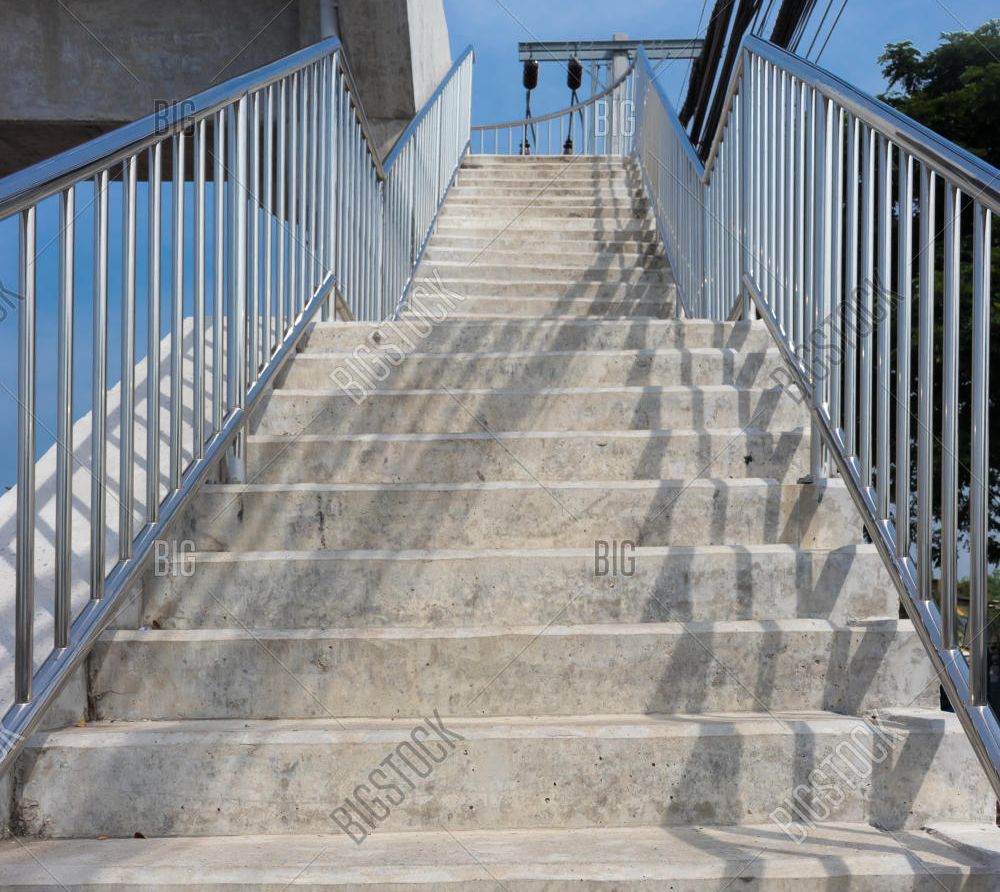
<point x="73" y="71"/>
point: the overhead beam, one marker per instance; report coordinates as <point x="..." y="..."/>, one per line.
<point x="606" y="50"/>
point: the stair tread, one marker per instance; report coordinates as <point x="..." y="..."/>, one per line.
<point x="113" y="734"/>
<point x="646" y="434"/>
<point x="574" y="858"/>
<point x="462" y="633"/>
<point x="515" y="485"/>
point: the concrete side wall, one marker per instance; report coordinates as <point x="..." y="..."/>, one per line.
<point x="111" y="60"/>
<point x="430" y="51"/>
<point x="74" y="71"/>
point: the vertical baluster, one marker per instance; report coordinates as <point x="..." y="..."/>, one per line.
<point x="99" y="400"/>
<point x="323" y="186"/>
<point x="198" y="409"/>
<point x="949" y="421"/>
<point x="64" y="422"/>
<point x="253" y="257"/>
<point x="979" y="488"/>
<point x="127" y="452"/>
<point x="315" y="246"/>
<point x="153" y="339"/>
<point x="866" y="320"/>
<point x="219" y="298"/>
<point x="800" y="217"/>
<point x="925" y="387"/>
<point x="293" y="194"/>
<point x="883" y="354"/>
<point x="269" y="333"/>
<point x="903" y="350"/>
<point x="851" y="293"/>
<point x="238" y="367"/>
<point x="302" y="247"/>
<point x="177" y="326"/>
<point x="835" y="305"/>
<point x="24" y="608"/>
<point x="282" y="211"/>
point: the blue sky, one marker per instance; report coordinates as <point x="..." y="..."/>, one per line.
<point x="495" y="27"/>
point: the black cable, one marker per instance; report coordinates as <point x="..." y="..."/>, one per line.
<point x="833" y="28"/>
<point x="819" y="28"/>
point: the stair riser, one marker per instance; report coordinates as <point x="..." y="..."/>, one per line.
<point x="429" y="371"/>
<point x="616" y="260"/>
<point x="598" y="306"/>
<point x="782" y="456"/>
<point x="546" y="195"/>
<point x="546" y="189"/>
<point x="470" y="337"/>
<point x="571" y="250"/>
<point x="448" y="273"/>
<point x="454" y="293"/>
<point x="290" y="413"/>
<point x="502" y="216"/>
<point x="531" y="671"/>
<point x="520" y="515"/>
<point x="581" y="231"/>
<point x="294" y="590"/>
<point x="192" y="785"/>
<point x="574" y="238"/>
<point x="501" y="179"/>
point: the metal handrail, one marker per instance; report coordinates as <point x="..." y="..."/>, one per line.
<point x="304" y="219"/>
<point x="798" y="214"/>
<point x="616" y="98"/>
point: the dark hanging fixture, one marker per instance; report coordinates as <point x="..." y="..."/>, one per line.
<point x="530" y="80"/>
<point x="574" y="78"/>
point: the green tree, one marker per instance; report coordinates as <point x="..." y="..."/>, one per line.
<point x="953" y="89"/>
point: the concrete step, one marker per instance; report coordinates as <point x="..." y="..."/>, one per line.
<point x="670" y="667"/>
<point x="249" y="777"/>
<point x="506" y="206"/>
<point x="650" y="257"/>
<point x="522" y="163"/>
<point x="593" y="455"/>
<point x="511" y="514"/>
<point x="599" y="368"/>
<point x="527" y="245"/>
<point x="450" y="272"/>
<point x="432" y="287"/>
<point x="546" y="196"/>
<point x="525" y="334"/>
<point x="291" y="412"/>
<point x="540" y="229"/>
<point x="569" y="238"/>
<point x="596" y="215"/>
<point x="572" y="174"/>
<point x="846" y="857"/>
<point x="554" y="188"/>
<point x="500" y="587"/>
<point x="602" y="302"/>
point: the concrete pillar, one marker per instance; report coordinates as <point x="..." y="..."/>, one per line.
<point x="68" y="78"/>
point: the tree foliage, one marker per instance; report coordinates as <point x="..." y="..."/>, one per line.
<point x="953" y="89"/>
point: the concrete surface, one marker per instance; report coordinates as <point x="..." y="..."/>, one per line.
<point x="74" y="70"/>
<point x="753" y="653"/>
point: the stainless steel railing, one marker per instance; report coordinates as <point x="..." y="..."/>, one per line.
<point x="601" y="125"/>
<point x="841" y="221"/>
<point x="279" y="206"/>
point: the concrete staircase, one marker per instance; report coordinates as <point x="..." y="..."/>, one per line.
<point x="393" y="661"/>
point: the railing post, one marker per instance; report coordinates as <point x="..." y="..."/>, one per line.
<point x="235" y="470"/>
<point x="25" y="559"/>
<point x="745" y="153"/>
